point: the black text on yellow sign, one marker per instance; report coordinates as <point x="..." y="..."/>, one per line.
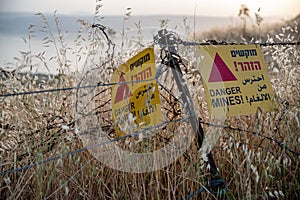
<point x="235" y="80"/>
<point x="137" y="95"/>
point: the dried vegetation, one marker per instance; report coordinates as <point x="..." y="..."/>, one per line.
<point x="37" y="127"/>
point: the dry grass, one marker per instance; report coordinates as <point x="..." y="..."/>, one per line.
<point x="36" y="127"/>
<point x="254" y="32"/>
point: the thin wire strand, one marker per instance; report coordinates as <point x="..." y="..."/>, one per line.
<point x="136" y="133"/>
<point x="91" y="147"/>
<point x="214" y="42"/>
<point x="185" y="43"/>
<point x="254" y="133"/>
<point x="72" y="88"/>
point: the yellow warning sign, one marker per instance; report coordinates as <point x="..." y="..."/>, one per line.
<point x="135" y="100"/>
<point x="235" y="80"/>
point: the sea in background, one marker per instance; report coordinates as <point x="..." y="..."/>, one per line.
<point x="14" y="29"/>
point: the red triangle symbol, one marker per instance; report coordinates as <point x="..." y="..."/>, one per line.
<point x="220" y="72"/>
<point x="123" y="91"/>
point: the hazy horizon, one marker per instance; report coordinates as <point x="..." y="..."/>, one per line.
<point x="10" y="20"/>
<point x="14" y="27"/>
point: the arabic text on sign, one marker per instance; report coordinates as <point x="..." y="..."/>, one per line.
<point x="253" y="79"/>
<point x="258" y="98"/>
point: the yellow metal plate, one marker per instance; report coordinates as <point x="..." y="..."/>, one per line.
<point x="235" y="80"/>
<point x="135" y="100"/>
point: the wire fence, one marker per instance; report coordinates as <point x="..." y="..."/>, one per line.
<point x="135" y="134"/>
<point x="263" y="44"/>
<point x="186" y="43"/>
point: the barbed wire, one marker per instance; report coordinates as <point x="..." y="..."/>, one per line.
<point x="73" y="88"/>
<point x="174" y="40"/>
<point x="214" y="42"/>
<point x="253" y="133"/>
<point x="179" y="41"/>
<point x="279" y="143"/>
<point x="137" y="133"/>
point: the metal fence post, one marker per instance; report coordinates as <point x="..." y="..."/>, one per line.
<point x="168" y="42"/>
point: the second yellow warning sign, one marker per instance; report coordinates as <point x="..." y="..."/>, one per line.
<point x="135" y="100"/>
<point x="235" y="80"/>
